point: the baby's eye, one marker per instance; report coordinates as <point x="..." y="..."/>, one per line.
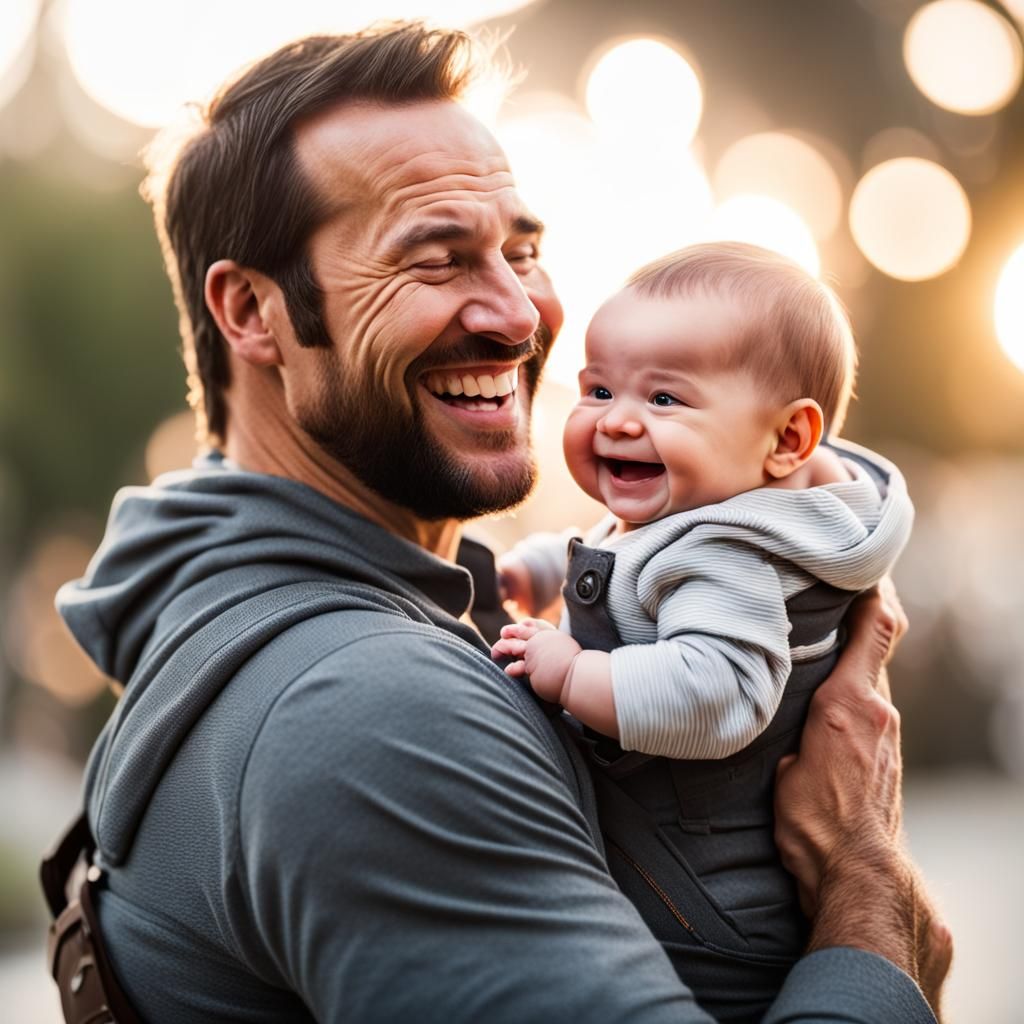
<point x="603" y="394"/>
<point x="663" y="398"/>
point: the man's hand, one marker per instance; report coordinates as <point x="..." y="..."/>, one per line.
<point x="544" y="654"/>
<point x="839" y="810"/>
<point x="844" y="787"/>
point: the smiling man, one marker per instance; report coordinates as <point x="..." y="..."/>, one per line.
<point x="318" y="798"/>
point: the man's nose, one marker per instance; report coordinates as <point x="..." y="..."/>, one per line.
<point x="621" y="420"/>
<point x="501" y="310"/>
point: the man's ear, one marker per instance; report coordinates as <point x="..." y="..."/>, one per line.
<point x="797" y="432"/>
<point x="232" y="297"/>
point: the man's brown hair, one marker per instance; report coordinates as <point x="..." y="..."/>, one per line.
<point x="796" y="338"/>
<point x="235" y="189"/>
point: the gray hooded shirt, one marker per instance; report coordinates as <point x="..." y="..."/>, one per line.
<point x="318" y="799"/>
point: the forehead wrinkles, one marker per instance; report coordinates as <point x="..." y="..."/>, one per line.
<point x="455" y="194"/>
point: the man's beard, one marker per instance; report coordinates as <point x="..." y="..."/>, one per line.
<point x="389" y="448"/>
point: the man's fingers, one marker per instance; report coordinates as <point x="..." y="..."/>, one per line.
<point x="935" y="960"/>
<point x="785" y="763"/>
<point x="872" y="629"/>
<point x="891" y="602"/>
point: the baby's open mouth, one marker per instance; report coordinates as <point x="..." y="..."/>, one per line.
<point x="632" y="472"/>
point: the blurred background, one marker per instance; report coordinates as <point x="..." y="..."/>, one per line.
<point x="878" y="142"/>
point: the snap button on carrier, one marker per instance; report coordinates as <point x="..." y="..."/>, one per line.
<point x="588" y="586"/>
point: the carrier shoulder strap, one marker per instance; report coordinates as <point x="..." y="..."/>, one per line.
<point x="76" y="956"/>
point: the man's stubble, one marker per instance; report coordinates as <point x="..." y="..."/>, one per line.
<point x="388" y="447"/>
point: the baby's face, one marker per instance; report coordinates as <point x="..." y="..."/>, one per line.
<point x="660" y="426"/>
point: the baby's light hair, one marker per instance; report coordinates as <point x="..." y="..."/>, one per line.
<point x="796" y="338"/>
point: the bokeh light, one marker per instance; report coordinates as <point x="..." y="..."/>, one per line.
<point x="788" y="169"/>
<point x="1009" y="310"/>
<point x="644" y="88"/>
<point x="911" y="218"/>
<point x="764" y="221"/>
<point x="899" y="141"/>
<point x="963" y="55"/>
<point x="17" y="38"/>
<point x="607" y="208"/>
<point x="38" y="644"/>
<point x="172" y="445"/>
<point x="1016" y="8"/>
<point x="144" y="60"/>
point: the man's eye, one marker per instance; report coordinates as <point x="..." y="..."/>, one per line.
<point x="663" y="398"/>
<point x="437" y="264"/>
<point x="523" y="256"/>
<point x="600" y="393"/>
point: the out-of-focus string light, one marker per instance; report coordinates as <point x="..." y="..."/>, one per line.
<point x="17" y="36"/>
<point x="788" y="169"/>
<point x="1009" y="309"/>
<point x="144" y="60"/>
<point x="963" y="55"/>
<point x="644" y="88"/>
<point x="911" y="218"/>
<point x="764" y="221"/>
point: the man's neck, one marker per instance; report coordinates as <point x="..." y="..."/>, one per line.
<point x="293" y="456"/>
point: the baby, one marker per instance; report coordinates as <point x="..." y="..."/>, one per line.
<point x="703" y="611"/>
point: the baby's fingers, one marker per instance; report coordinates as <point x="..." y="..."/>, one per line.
<point x="521" y="630"/>
<point x="515" y="669"/>
<point x="508" y="647"/>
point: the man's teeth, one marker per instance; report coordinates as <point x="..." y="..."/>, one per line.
<point x="472" y="385"/>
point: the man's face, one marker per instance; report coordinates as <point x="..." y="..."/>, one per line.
<point x="439" y="313"/>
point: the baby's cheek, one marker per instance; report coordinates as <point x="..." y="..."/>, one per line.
<point x="578" y="447"/>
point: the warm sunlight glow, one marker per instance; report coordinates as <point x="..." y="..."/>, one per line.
<point x="38" y="644"/>
<point x="788" y="169"/>
<point x="1009" y="311"/>
<point x="644" y="88"/>
<point x="764" y="221"/>
<point x="608" y="209"/>
<point x="144" y="60"/>
<point x="17" y="28"/>
<point x="172" y="445"/>
<point x="963" y="55"/>
<point x="911" y="218"/>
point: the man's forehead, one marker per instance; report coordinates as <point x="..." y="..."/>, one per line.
<point x="365" y="153"/>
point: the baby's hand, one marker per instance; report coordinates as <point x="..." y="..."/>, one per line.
<point x="513" y="642"/>
<point x="514" y="583"/>
<point x="544" y="653"/>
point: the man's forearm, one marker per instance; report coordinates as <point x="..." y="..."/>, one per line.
<point x="870" y="901"/>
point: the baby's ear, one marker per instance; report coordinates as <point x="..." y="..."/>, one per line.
<point x="797" y="432"/>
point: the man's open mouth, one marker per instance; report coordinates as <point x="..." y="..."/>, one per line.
<point x="475" y="392"/>
<point x="633" y="472"/>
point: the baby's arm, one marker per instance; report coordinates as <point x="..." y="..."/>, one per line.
<point x="531" y="573"/>
<point x="561" y="672"/>
<point x="713" y="680"/>
<point x="705" y="689"/>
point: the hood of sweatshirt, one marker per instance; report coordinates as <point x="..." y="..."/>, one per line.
<point x="198" y="544"/>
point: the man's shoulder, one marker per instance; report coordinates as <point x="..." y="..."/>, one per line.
<point x="400" y="714"/>
<point x="363" y="676"/>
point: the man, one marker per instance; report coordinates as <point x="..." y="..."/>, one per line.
<point x="318" y="799"/>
